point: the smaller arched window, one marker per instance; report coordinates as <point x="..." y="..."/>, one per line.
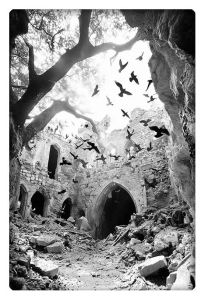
<point x="53" y="162"/>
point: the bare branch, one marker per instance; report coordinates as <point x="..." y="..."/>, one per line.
<point x="44" y="118"/>
<point x="31" y="68"/>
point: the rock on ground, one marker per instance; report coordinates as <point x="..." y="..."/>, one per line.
<point x="152" y="265"/>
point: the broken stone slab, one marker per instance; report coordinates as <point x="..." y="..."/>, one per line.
<point x="165" y="238"/>
<point x="45" y="267"/>
<point x="71" y="220"/>
<point x="45" y="240"/>
<point x="56" y="247"/>
<point x="171" y="279"/>
<point x="152" y="265"/>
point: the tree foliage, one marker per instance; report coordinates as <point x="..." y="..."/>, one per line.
<point x="54" y="56"/>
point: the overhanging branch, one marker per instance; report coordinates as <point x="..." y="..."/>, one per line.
<point x="31" y="68"/>
<point x="40" y="121"/>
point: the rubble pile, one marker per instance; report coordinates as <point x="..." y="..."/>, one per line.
<point x="154" y="251"/>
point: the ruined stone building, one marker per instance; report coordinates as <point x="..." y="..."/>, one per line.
<point x="108" y="193"/>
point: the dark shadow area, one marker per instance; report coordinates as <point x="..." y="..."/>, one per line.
<point x="37" y="202"/>
<point x="159" y="278"/>
<point x="22" y="199"/>
<point x="66" y="208"/>
<point x="117" y="210"/>
<point x="52" y="162"/>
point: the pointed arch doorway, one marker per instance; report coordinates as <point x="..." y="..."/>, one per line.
<point x="114" y="207"/>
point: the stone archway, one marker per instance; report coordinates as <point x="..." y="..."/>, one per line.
<point x="114" y="206"/>
<point x="40" y="202"/>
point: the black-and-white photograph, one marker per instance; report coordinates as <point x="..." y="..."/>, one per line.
<point x="102" y="149"/>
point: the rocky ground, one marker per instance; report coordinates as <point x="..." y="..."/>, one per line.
<point x="153" y="252"/>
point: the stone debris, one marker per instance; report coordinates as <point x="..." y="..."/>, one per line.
<point x="56" y="247"/>
<point x="152" y="265"/>
<point x="45" y="267"/>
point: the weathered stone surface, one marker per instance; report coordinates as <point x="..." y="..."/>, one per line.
<point x="84" y="225"/>
<point x="45" y="267"/>
<point x="71" y="219"/>
<point x="171" y="279"/>
<point x="152" y="265"/>
<point x="165" y="238"/>
<point x="55" y="247"/>
<point x="45" y="240"/>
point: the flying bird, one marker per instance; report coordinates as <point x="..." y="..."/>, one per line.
<point x="140" y="57"/>
<point x="149" y="82"/>
<point x="129" y="134"/>
<point x="109" y="101"/>
<point x="125" y="114"/>
<point x="84" y="163"/>
<point x="122" y="66"/>
<point x="150" y="147"/>
<point x="116" y="157"/>
<point x="151" y="184"/>
<point x="145" y="122"/>
<point x="66" y="136"/>
<point x="159" y="131"/>
<point x="102" y="157"/>
<point x="74" y="156"/>
<point x="146" y="95"/>
<point x="86" y="125"/>
<point x="78" y="146"/>
<point x="131" y="157"/>
<point x="122" y="90"/>
<point x="96" y="90"/>
<point x="75" y="181"/>
<point x="65" y="162"/>
<point x="92" y="147"/>
<point x="139" y="148"/>
<point x="62" y="192"/>
<point x="133" y="77"/>
<point x="151" y="99"/>
<point x="56" y="129"/>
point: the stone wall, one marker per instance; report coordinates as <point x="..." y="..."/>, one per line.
<point x="96" y="177"/>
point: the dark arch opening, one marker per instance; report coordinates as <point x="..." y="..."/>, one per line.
<point x="22" y="199"/>
<point x="52" y="162"/>
<point x="115" y="209"/>
<point x="66" y="208"/>
<point x="38" y="202"/>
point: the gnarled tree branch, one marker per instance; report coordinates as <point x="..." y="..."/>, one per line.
<point x="40" y="121"/>
<point x="31" y="68"/>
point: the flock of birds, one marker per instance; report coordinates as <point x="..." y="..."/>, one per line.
<point x="123" y="90"/>
<point x="91" y="146"/>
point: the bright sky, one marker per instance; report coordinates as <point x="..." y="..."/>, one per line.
<point x="96" y="108"/>
<point x="106" y="75"/>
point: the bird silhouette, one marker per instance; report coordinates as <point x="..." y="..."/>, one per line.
<point x="151" y="99"/>
<point x="66" y="136"/>
<point x="78" y="146"/>
<point x="146" y="95"/>
<point x="74" y="156"/>
<point x="109" y="101"/>
<point x="139" y="148"/>
<point x="102" y="157"/>
<point x="56" y="129"/>
<point x="140" y="57"/>
<point x="65" y="162"/>
<point x="86" y="125"/>
<point x="131" y="157"/>
<point x="75" y="181"/>
<point x="84" y="163"/>
<point x="149" y="82"/>
<point x="96" y="90"/>
<point x="116" y="157"/>
<point x="129" y="134"/>
<point x="62" y="192"/>
<point x="92" y="147"/>
<point x="122" y="90"/>
<point x="145" y="122"/>
<point x="151" y="184"/>
<point x="122" y="66"/>
<point x="125" y="114"/>
<point x="150" y="147"/>
<point x="133" y="77"/>
<point x="159" y="131"/>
